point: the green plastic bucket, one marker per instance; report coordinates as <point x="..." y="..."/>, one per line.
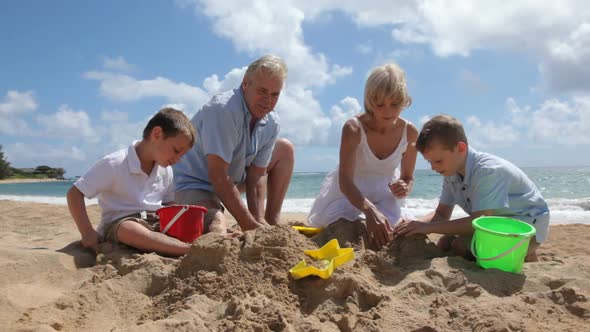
<point x="501" y="243"/>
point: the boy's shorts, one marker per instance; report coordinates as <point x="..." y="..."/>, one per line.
<point x="150" y="221"/>
<point x="197" y="197"/>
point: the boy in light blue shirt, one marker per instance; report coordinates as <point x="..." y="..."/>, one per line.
<point x="480" y="183"/>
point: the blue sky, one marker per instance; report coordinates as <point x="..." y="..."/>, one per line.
<point x="79" y="80"/>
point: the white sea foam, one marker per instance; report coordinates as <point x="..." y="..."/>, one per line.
<point x="43" y="199"/>
<point x="563" y="210"/>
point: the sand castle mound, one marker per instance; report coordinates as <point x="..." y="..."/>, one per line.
<point x="243" y="285"/>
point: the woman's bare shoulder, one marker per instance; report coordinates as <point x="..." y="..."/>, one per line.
<point x="411" y="128"/>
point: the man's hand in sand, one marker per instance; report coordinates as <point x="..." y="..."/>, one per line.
<point x="90" y="240"/>
<point x="378" y="228"/>
<point x="253" y="225"/>
<point x="410" y="227"/>
<point x="262" y="222"/>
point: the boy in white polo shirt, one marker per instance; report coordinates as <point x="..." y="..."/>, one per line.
<point x="133" y="183"/>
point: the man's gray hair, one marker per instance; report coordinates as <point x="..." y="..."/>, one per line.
<point x="270" y="65"/>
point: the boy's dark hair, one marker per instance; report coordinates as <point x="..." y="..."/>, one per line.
<point x="442" y="129"/>
<point x="173" y="122"/>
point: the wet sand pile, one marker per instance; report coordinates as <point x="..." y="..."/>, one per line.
<point x="243" y="284"/>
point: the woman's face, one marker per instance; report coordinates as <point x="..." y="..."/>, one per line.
<point x="387" y="109"/>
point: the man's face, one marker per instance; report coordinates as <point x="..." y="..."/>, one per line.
<point x="261" y="94"/>
<point x="444" y="161"/>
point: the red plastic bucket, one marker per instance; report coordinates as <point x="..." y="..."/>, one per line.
<point x="184" y="222"/>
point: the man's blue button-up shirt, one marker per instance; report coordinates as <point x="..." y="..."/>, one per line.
<point x="222" y="129"/>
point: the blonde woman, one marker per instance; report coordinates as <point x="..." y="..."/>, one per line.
<point x="377" y="160"/>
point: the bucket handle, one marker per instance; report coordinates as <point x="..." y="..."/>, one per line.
<point x="505" y="253"/>
<point x="176" y="217"/>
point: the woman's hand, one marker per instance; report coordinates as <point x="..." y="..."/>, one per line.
<point x="400" y="188"/>
<point x="410" y="227"/>
<point x="378" y="228"/>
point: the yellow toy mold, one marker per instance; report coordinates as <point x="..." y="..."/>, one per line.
<point x="330" y="252"/>
<point x="307" y="230"/>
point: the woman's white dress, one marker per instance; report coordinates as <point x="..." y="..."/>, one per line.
<point x="371" y="176"/>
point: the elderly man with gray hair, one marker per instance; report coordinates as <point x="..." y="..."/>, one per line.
<point x="238" y="150"/>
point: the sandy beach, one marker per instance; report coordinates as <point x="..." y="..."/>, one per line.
<point x="28" y="180"/>
<point x="49" y="283"/>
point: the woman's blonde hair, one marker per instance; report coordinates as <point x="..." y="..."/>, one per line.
<point x="387" y="81"/>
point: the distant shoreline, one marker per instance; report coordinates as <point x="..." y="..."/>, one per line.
<point x="30" y="180"/>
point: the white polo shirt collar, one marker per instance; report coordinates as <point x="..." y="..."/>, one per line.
<point x="135" y="164"/>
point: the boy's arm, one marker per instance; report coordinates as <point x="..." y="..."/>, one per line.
<point x="255" y="192"/>
<point x="443" y="212"/>
<point x="228" y="193"/>
<point x="460" y="226"/>
<point x="77" y="208"/>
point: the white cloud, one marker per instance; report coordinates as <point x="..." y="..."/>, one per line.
<point x="14" y="106"/>
<point x="554" y="121"/>
<point x="181" y="107"/>
<point x="118" y="64"/>
<point x="277" y="27"/>
<point x="272" y="27"/>
<point x="14" y="126"/>
<point x="33" y="154"/>
<point x="302" y="119"/>
<point x="410" y="34"/>
<point x="339" y="71"/>
<point x="458" y="28"/>
<point x="559" y="41"/>
<point x="15" y="103"/>
<point x="566" y="66"/>
<point x="67" y="123"/>
<point x="118" y="132"/>
<point x="557" y="34"/>
<point x="339" y="114"/>
<point x="126" y="88"/>
<point x="344" y="110"/>
<point x="490" y="134"/>
<point x="364" y="13"/>
<point x="231" y="80"/>
<point x="554" y="33"/>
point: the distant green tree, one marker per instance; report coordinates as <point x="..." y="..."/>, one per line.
<point x="56" y="173"/>
<point x="60" y="172"/>
<point x="43" y="169"/>
<point x="15" y="171"/>
<point x="4" y="166"/>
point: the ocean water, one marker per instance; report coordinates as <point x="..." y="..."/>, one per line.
<point x="566" y="190"/>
